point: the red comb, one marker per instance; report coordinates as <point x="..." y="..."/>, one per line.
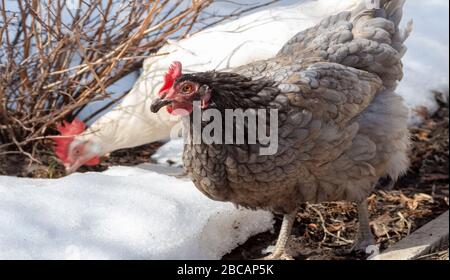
<point x="172" y="74"/>
<point x="70" y="130"/>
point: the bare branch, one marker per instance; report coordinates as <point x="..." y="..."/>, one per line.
<point x="55" y="59"/>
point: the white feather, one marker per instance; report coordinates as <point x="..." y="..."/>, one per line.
<point x="254" y="37"/>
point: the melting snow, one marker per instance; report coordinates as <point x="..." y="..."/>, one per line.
<point x="170" y="153"/>
<point x="124" y="213"/>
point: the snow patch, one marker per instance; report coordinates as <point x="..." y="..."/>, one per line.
<point x="170" y="153"/>
<point x="124" y="213"/>
<point x="426" y="63"/>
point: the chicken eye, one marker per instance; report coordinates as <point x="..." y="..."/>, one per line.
<point x="187" y="88"/>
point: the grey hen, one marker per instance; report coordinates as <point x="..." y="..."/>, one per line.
<point x="340" y="125"/>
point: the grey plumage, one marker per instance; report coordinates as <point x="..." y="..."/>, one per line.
<point x="341" y="125"/>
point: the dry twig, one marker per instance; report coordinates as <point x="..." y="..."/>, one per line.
<point x="57" y="56"/>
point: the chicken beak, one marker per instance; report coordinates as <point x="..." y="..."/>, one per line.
<point x="71" y="168"/>
<point x="158" y="103"/>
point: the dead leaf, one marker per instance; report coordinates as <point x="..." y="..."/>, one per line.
<point x="312" y="226"/>
<point x="334" y="227"/>
<point x="380" y="224"/>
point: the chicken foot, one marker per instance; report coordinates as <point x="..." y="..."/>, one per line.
<point x="285" y="232"/>
<point x="364" y="237"/>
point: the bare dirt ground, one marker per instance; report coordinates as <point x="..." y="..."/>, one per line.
<point x="323" y="229"/>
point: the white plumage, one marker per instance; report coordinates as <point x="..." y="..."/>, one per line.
<point x="253" y="37"/>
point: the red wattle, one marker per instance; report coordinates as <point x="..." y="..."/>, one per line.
<point x="180" y="109"/>
<point x="93" y="161"/>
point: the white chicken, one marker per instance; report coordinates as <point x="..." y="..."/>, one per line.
<point x="251" y="38"/>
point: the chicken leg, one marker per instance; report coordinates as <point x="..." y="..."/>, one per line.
<point x="364" y="236"/>
<point x="285" y="232"/>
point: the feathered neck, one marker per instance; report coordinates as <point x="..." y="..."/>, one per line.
<point x="230" y="90"/>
